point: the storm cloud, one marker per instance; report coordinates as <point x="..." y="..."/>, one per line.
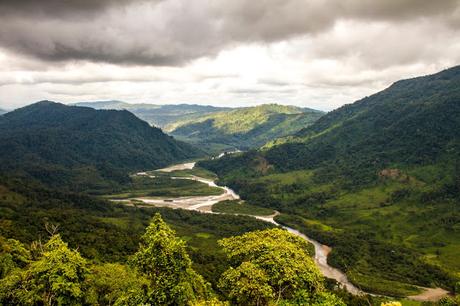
<point x="174" y="32"/>
<point x="316" y="53"/>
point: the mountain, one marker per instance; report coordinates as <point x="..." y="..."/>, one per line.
<point x="2" y="111"/>
<point x="157" y="115"/>
<point x="380" y="174"/>
<point x="82" y="148"/>
<point x="244" y="128"/>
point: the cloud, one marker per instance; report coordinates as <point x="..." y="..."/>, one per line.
<point x="316" y="53"/>
<point x="63" y="9"/>
<point x="175" y="32"/>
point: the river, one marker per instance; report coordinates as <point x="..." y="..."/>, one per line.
<point x="204" y="204"/>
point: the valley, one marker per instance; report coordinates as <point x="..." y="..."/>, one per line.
<point x="367" y="196"/>
<point x="204" y="204"/>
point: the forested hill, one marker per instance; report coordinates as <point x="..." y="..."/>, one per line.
<point x="413" y="122"/>
<point x="158" y="115"/>
<point x="82" y="148"/>
<point x="244" y="128"/>
<point x="380" y="174"/>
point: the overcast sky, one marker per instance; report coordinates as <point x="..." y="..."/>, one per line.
<point x="314" y="53"/>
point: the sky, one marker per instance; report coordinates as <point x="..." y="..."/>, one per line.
<point x="313" y="53"/>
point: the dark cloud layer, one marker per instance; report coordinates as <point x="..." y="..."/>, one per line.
<point x="172" y="32"/>
<point x="54" y="8"/>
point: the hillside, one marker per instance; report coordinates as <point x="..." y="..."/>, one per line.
<point x="81" y="148"/>
<point x="158" y="115"/>
<point x="244" y="128"/>
<point x="380" y="174"/>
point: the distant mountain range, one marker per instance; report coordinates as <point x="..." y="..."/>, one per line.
<point x="81" y="148"/>
<point x="244" y="128"/>
<point x="217" y="129"/>
<point x="157" y="115"/>
<point x="380" y="174"/>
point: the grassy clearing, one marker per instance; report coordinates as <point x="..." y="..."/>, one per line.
<point x="196" y="171"/>
<point x="381" y="286"/>
<point x="241" y="208"/>
<point x="165" y="187"/>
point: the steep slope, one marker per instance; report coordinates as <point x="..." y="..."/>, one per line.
<point x="380" y="174"/>
<point x="244" y="128"/>
<point x="82" y="148"/>
<point x="157" y="115"/>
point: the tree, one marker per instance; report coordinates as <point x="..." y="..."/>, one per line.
<point x="392" y="303"/>
<point x="113" y="283"/>
<point x="247" y="285"/>
<point x="270" y="265"/>
<point x="56" y="278"/>
<point x="163" y="259"/>
<point x="13" y="255"/>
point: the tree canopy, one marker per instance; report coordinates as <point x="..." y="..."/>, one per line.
<point x="163" y="259"/>
<point x="270" y="266"/>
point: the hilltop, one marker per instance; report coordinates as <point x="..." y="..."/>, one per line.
<point x="244" y="128"/>
<point x="82" y="148"/>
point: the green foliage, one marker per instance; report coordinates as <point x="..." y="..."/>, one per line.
<point x="114" y="284"/>
<point x="373" y="265"/>
<point x="13" y="255"/>
<point x="245" y="127"/>
<point x="107" y="232"/>
<point x="450" y="301"/>
<point x="304" y="297"/>
<point x="240" y="207"/>
<point x="56" y="278"/>
<point x="247" y="284"/>
<point x="269" y="265"/>
<point x="82" y="149"/>
<point x="380" y="174"/>
<point x="163" y="259"/>
<point x="164" y="187"/>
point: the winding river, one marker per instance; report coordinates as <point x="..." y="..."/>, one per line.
<point x="204" y="204"/>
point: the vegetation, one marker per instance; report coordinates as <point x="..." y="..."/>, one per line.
<point x="241" y="208"/>
<point x="163" y="260"/>
<point x="243" y="128"/>
<point x="163" y="186"/>
<point x="272" y="267"/>
<point x="378" y="180"/>
<point x="57" y="277"/>
<point x="275" y="269"/>
<point x="196" y="171"/>
<point x="81" y="149"/>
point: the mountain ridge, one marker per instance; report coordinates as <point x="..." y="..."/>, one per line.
<point x="158" y="115"/>
<point x="82" y="144"/>
<point x="380" y="174"/>
<point x="245" y="128"/>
